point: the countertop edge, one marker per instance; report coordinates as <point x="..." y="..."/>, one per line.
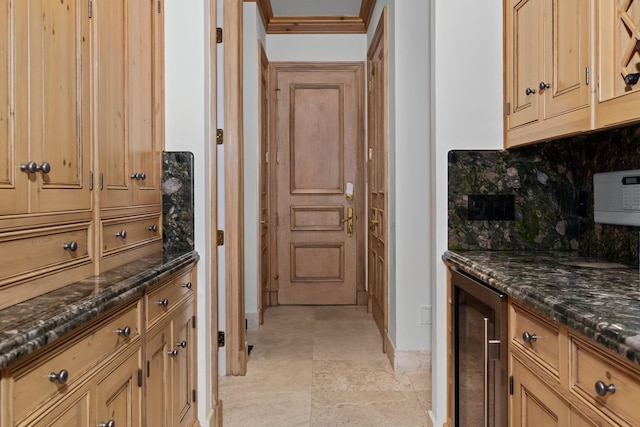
<point x="75" y="316"/>
<point x="575" y="319"/>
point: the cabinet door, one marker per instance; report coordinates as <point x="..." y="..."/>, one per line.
<point x="13" y="182"/>
<point x="184" y="368"/>
<point x="533" y="403"/>
<point x="110" y="34"/>
<point x="158" y="377"/>
<point x="523" y="57"/>
<point x="118" y="395"/>
<point x="73" y="411"/>
<point x="145" y="145"/>
<point x="129" y="119"/>
<point x="618" y="28"/>
<point x="52" y="108"/>
<point x="567" y="42"/>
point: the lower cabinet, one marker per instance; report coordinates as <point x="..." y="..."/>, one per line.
<point x="591" y="386"/>
<point x="118" y="371"/>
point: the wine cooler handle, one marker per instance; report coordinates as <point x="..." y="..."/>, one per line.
<point x="485" y="368"/>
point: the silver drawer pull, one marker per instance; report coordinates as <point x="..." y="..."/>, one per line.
<point x="109" y="423"/>
<point x="181" y="344"/>
<point x="122" y="234"/>
<point x="602" y="389"/>
<point x="187" y="285"/>
<point x="72" y="246"/>
<point x="152" y="228"/>
<point x="61" y="377"/>
<point x="527" y="337"/>
<point x="173" y="353"/>
<point x="126" y="331"/>
<point x="164" y="302"/>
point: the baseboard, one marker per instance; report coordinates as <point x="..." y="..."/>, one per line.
<point x="253" y="320"/>
<point x="408" y="360"/>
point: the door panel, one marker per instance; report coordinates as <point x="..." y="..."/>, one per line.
<point x="118" y="394"/>
<point x="264" y="187"/>
<point x="318" y="123"/>
<point x="377" y="197"/>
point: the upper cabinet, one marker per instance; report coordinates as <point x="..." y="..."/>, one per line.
<point x="548" y="69"/>
<point x="129" y="58"/>
<point x="619" y="62"/>
<point x="45" y="143"/>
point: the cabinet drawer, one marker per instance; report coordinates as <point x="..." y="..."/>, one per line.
<point x="167" y="296"/>
<point x="590" y="366"/>
<point x="536" y="337"/>
<point x="38" y="251"/>
<point x="124" y="233"/>
<point x="32" y="386"/>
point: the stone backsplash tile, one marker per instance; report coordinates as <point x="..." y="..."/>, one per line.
<point x="549" y="181"/>
<point x="177" y="203"/>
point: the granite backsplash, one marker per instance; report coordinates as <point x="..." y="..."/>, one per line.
<point x="177" y="203"/>
<point x="553" y="187"/>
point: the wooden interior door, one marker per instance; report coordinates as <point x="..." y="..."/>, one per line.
<point x="377" y="173"/>
<point x="53" y="116"/>
<point x="264" y="186"/>
<point x="318" y="129"/>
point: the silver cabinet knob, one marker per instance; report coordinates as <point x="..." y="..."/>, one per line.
<point x="187" y="285"/>
<point x="126" y="331"/>
<point x="529" y="91"/>
<point x="61" y="376"/>
<point x="109" y="423"/>
<point x="602" y="389"/>
<point x="544" y="86"/>
<point x="143" y="176"/>
<point x="33" y="167"/>
<point x="122" y="234"/>
<point x="72" y="246"/>
<point x="153" y="227"/>
<point x="164" y="302"/>
<point x="181" y="344"/>
<point x="135" y="176"/>
<point x="173" y="353"/>
<point x="527" y="337"/>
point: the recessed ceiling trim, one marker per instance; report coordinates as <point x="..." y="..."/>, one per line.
<point x="315" y="24"/>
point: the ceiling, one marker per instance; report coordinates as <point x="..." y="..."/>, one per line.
<point x="315" y="16"/>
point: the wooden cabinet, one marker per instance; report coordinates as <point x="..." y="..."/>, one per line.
<point x="548" y="67"/>
<point x="120" y="368"/>
<point x="45" y="117"/>
<point x="554" y="377"/>
<point x="618" y="30"/>
<point x="171" y="355"/>
<point x="128" y="46"/>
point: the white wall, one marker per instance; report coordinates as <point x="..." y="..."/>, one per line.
<point x="316" y="47"/>
<point x="253" y="30"/>
<point x="466" y="69"/>
<point x="187" y="129"/>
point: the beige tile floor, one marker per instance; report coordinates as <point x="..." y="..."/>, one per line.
<point x="322" y="366"/>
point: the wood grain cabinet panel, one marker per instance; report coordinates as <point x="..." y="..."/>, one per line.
<point x="73" y="410"/>
<point x="123" y="233"/>
<point x="548" y="69"/>
<point x="162" y="300"/>
<point x="619" y="385"/>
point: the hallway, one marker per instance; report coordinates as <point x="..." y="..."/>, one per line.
<point x="322" y="366"/>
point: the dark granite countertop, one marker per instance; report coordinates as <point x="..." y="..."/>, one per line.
<point x="599" y="300"/>
<point x="30" y="325"/>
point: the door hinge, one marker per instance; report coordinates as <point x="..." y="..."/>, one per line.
<point x="370" y="153"/>
<point x="586" y="75"/>
<point x="159" y="7"/>
<point x="218" y="35"/>
<point x="139" y="377"/>
<point x="220" y="237"/>
<point x="221" y="341"/>
<point x="90" y="181"/>
<point x="193" y="322"/>
<point x="370" y="85"/>
<point x="148" y="368"/>
<point x="266" y="157"/>
<point x="219" y="136"/>
<point x="90" y="6"/>
<point x="511" y="385"/>
<point x="193" y="395"/>
<point x="101" y="181"/>
<point x="508" y="108"/>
